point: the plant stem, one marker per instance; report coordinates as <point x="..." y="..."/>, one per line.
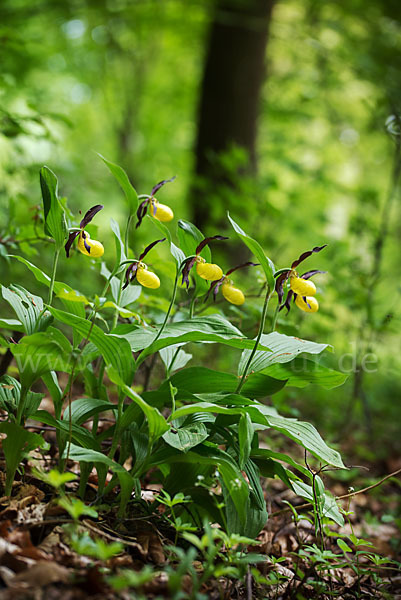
<point x="126" y="246"/>
<point x="192" y="306"/>
<point x="275" y="316"/>
<point x="253" y="352"/>
<point x="21" y="404"/>
<point x="53" y="276"/>
<point x="140" y="360"/>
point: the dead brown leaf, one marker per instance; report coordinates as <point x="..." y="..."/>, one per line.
<point x="41" y="574"/>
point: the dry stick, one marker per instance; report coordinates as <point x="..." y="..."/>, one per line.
<point x="367" y="489"/>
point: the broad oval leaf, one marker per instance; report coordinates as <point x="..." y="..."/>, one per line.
<point x="55" y="223"/>
<point x="127" y="187"/>
<point x="257" y="250"/>
<point x="212" y="328"/>
<point x="40" y="353"/>
<point x="157" y="424"/>
<point x="300" y="372"/>
<point x="282" y="349"/>
<point x="186" y="437"/>
<point x="114" y="349"/>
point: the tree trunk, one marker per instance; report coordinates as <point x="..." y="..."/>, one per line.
<point x="233" y="75"/>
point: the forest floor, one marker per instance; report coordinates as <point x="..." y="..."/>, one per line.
<point x="38" y="560"/>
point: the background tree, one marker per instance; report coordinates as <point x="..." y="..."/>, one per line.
<point x="233" y="74"/>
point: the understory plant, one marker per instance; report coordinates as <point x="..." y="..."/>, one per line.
<point x="201" y="433"/>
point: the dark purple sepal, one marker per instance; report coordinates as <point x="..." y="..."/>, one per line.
<point x="247" y="264"/>
<point x="207" y="241"/>
<point x="214" y="286"/>
<point x="70" y="242"/>
<point x="148" y="248"/>
<point x="287" y="303"/>
<point x="130" y="274"/>
<point x="160" y="184"/>
<point x="309" y="274"/>
<point x="306" y="302"/>
<point x="188" y="264"/>
<point x="280" y="285"/>
<point x="306" y="255"/>
<point x="141" y="212"/>
<point x="89" y="215"/>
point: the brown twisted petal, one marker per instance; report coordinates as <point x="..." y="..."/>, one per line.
<point x="148" y="248"/>
<point x="214" y="286"/>
<point x="309" y="274"/>
<point x="188" y="264"/>
<point x="207" y="241"/>
<point x="70" y="241"/>
<point x="279" y="287"/>
<point x="247" y="264"/>
<point x="160" y="184"/>
<point x="89" y="215"/>
<point x="287" y="303"/>
<point x="130" y="274"/>
<point x="306" y="255"/>
<point x="141" y="212"/>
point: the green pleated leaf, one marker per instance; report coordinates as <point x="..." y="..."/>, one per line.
<point x="282" y="349"/>
<point x="120" y="251"/>
<point x="12" y="325"/>
<point x="209" y="456"/>
<point x="201" y="380"/>
<point x="174" y="358"/>
<point x="18" y="443"/>
<point x="10" y="393"/>
<point x="212" y="328"/>
<point x="40" y="353"/>
<point x="157" y="424"/>
<point x="92" y="456"/>
<point x="185" y="438"/>
<point x="73" y="305"/>
<point x="245" y="437"/>
<point x="55" y="224"/>
<point x="190" y="237"/>
<point x="79" y="434"/>
<point x="307" y="436"/>
<point x="329" y="508"/>
<point x="114" y="349"/>
<point x="27" y="307"/>
<point x="176" y="252"/>
<point x="83" y="409"/>
<point x="257" y="251"/>
<point x="127" y="187"/>
<point x="300" y="372"/>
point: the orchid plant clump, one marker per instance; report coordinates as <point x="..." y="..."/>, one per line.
<point x="195" y="422"/>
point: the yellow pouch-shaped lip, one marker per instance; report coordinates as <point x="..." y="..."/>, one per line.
<point x="303" y="287"/>
<point x="209" y="271"/>
<point x="232" y="294"/>
<point x="163" y="212"/>
<point x="147" y="278"/>
<point x="95" y="248"/>
<point x="313" y="304"/>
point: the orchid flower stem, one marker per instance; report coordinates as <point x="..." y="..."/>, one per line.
<point x="140" y="358"/>
<point x="53" y="276"/>
<point x="275" y="316"/>
<point x="120" y="291"/>
<point x="253" y="352"/>
<point x="166" y="318"/>
<point x="21" y="405"/>
<point x="192" y="307"/>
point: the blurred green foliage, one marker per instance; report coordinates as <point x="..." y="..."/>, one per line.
<point x="122" y="78"/>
